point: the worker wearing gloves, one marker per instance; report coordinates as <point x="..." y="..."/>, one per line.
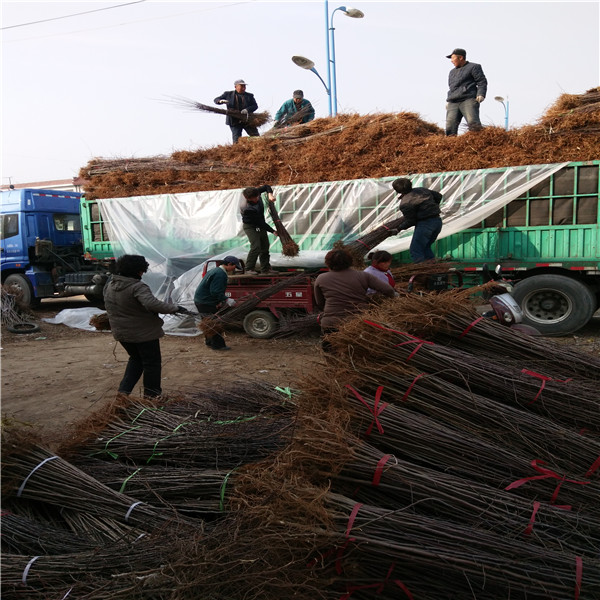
<point x="420" y="207"/>
<point x="256" y="228"/>
<point x="133" y="315"/>
<point x="239" y="99"/>
<point x="210" y="296"/>
<point x="468" y="86"/>
<point x="295" y="110"/>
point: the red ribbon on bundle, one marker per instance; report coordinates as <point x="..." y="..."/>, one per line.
<point x="379" y="469"/>
<point x="544" y="378"/>
<point x="375" y="411"/>
<point x="379" y="586"/>
<point x="469" y="327"/>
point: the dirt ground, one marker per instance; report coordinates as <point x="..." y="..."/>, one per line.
<point x="60" y="375"/>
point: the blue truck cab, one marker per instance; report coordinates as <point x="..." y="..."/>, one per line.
<point x="41" y="246"/>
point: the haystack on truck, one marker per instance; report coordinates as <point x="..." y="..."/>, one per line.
<point x="539" y="223"/>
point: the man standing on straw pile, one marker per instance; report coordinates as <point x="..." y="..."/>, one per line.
<point x="297" y="105"/>
<point x="468" y="86"/>
<point x="239" y="99"/>
<point x="256" y="229"/>
<point x="133" y="314"/>
<point x="420" y="207"/>
<point x="210" y="296"/>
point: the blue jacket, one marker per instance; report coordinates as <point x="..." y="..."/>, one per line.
<point x="466" y="82"/>
<point x="236" y="101"/>
<point x="212" y="288"/>
<point x="288" y="108"/>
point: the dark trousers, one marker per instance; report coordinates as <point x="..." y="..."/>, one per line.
<point x="455" y="111"/>
<point x="426" y="232"/>
<point x="259" y="249"/>
<point x="236" y="131"/>
<point x="215" y="341"/>
<point x="144" y="358"/>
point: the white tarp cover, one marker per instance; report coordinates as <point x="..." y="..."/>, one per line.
<point x="177" y="233"/>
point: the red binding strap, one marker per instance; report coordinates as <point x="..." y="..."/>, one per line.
<point x="544" y="378"/>
<point x="379" y="469"/>
<point x="470" y="326"/>
<point x="529" y="528"/>
<point x="410" y="387"/>
<point x="578" y="574"/>
<point x="375" y="411"/>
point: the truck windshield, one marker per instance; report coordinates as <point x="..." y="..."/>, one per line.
<point x="66" y="222"/>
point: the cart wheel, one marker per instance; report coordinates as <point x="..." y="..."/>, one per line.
<point x="260" y="324"/>
<point x="23" y="328"/>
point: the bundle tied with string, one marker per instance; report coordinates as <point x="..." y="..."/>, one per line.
<point x="288" y="245"/>
<point x="257" y="119"/>
<point x="361" y="246"/>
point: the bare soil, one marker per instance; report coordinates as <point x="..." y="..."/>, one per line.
<point x="60" y="375"/>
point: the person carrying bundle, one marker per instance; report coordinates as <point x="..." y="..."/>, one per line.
<point x="239" y="99"/>
<point x="420" y="207"/>
<point x="210" y="296"/>
<point x="256" y="229"/>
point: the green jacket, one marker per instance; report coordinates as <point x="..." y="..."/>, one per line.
<point x="288" y="108"/>
<point x="212" y="288"/>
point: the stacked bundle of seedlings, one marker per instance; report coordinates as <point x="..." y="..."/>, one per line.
<point x="352" y="146"/>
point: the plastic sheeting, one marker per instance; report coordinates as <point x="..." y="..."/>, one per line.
<point x="177" y="233"/>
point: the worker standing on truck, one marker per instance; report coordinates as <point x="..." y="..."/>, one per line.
<point x="256" y="228"/>
<point x="285" y="115"/>
<point x="467" y="89"/>
<point x="421" y="208"/>
<point x="210" y="296"/>
<point x="342" y="291"/>
<point x="133" y="315"/>
<point x="239" y="99"/>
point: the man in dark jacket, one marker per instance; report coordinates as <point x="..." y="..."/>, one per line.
<point x="239" y="99"/>
<point x="467" y="88"/>
<point x="421" y="208"/>
<point x="256" y="228"/>
<point x="133" y="314"/>
<point x="210" y="296"/>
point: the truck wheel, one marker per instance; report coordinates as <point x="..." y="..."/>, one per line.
<point x="260" y="324"/>
<point x="23" y="285"/>
<point x="554" y="304"/>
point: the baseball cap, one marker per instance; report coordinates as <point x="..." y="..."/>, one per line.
<point x="239" y="82"/>
<point x="298" y="94"/>
<point x="233" y="260"/>
<point x="460" y="51"/>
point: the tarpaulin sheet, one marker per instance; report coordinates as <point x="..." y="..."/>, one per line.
<point x="177" y="233"/>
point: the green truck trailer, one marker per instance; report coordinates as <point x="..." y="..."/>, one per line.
<point x="547" y="239"/>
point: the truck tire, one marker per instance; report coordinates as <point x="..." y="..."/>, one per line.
<point x="260" y="324"/>
<point x="25" y="327"/>
<point x="21" y="283"/>
<point x="554" y="304"/>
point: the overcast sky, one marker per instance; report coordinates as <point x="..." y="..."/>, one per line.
<point x="76" y="87"/>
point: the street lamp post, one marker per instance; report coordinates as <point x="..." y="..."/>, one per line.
<point x="349" y="12"/>
<point x="501" y="100"/>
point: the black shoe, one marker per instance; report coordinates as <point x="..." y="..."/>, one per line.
<point x="223" y="348"/>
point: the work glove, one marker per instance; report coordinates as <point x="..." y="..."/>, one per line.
<point x="222" y="102"/>
<point x="244" y="111"/>
<point x="394" y="231"/>
<point x="269" y="189"/>
<point x="480" y="99"/>
<point x="182" y="310"/>
<point x="230" y="302"/>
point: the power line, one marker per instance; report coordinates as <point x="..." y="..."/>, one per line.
<point x="87" y="12"/>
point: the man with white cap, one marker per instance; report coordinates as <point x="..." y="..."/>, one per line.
<point x="295" y="110"/>
<point x="239" y="99"/>
<point x="468" y="86"/>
